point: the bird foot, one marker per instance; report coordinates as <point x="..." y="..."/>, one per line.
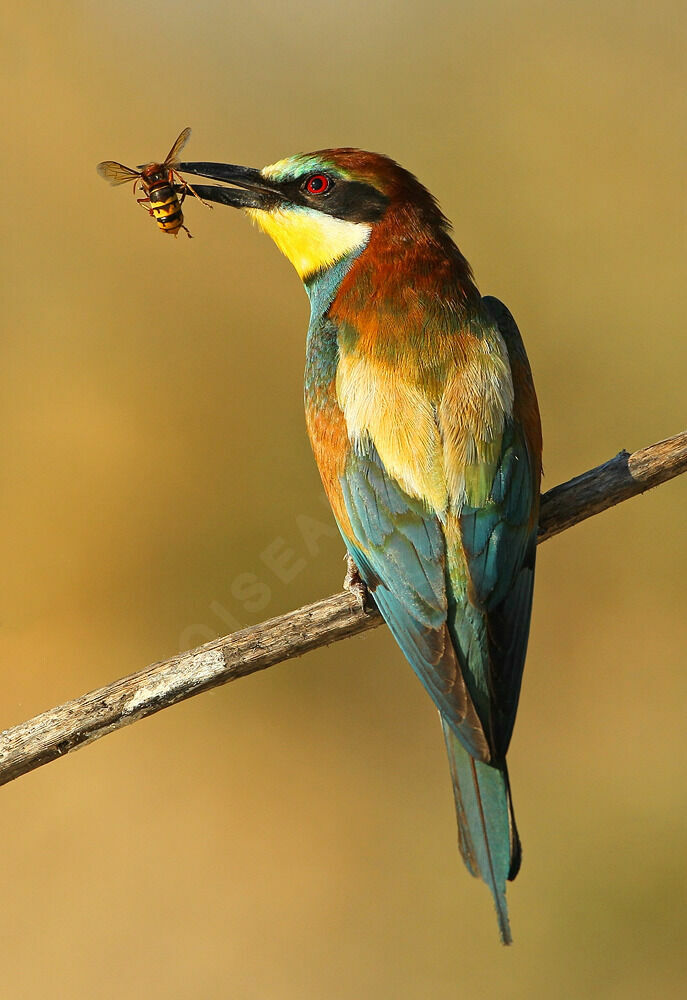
<point x="354" y="584"/>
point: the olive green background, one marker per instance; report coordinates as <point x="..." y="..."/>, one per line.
<point x="292" y="836"/>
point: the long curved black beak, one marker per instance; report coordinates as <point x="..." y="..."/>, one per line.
<point x="250" y="189"/>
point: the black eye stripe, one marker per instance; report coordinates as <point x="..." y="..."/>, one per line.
<point x="353" y="201"/>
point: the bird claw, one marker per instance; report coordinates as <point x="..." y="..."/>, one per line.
<point x="354" y="584"/>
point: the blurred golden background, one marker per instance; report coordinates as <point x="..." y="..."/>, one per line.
<point x="292" y="835"/>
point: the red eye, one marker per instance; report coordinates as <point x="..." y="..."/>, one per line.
<point x="318" y="184"/>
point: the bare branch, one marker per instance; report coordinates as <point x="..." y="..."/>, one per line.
<point x="619" y="479"/>
<point x="83" y="720"/>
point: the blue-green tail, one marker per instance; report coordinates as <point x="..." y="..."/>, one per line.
<point x="487" y="834"/>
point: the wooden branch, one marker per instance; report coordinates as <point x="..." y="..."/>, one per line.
<point x="83" y="720"/>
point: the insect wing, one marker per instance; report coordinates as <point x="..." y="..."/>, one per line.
<point x="176" y="149"/>
<point x="117" y="173"/>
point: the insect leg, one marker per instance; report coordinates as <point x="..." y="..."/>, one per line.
<point x="185" y="186"/>
<point x="142" y="201"/>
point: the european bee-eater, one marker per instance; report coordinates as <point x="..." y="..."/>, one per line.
<point x="424" y="422"/>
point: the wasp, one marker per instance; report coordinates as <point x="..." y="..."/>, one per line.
<point x="157" y="181"/>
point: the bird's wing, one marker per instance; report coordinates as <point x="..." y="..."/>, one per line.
<point x="490" y="583"/>
<point x="454" y="588"/>
<point x="400" y="550"/>
<point x="499" y="542"/>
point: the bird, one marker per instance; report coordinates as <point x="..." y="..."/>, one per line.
<point x="424" y="422"/>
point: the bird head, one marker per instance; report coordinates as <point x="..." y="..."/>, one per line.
<point x="320" y="207"/>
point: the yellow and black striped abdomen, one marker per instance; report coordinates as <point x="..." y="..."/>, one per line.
<point x="166" y="208"/>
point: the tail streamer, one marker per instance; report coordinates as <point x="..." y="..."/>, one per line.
<point x="487" y="834"/>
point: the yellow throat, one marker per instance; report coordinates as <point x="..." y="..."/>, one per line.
<point x="311" y="240"/>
